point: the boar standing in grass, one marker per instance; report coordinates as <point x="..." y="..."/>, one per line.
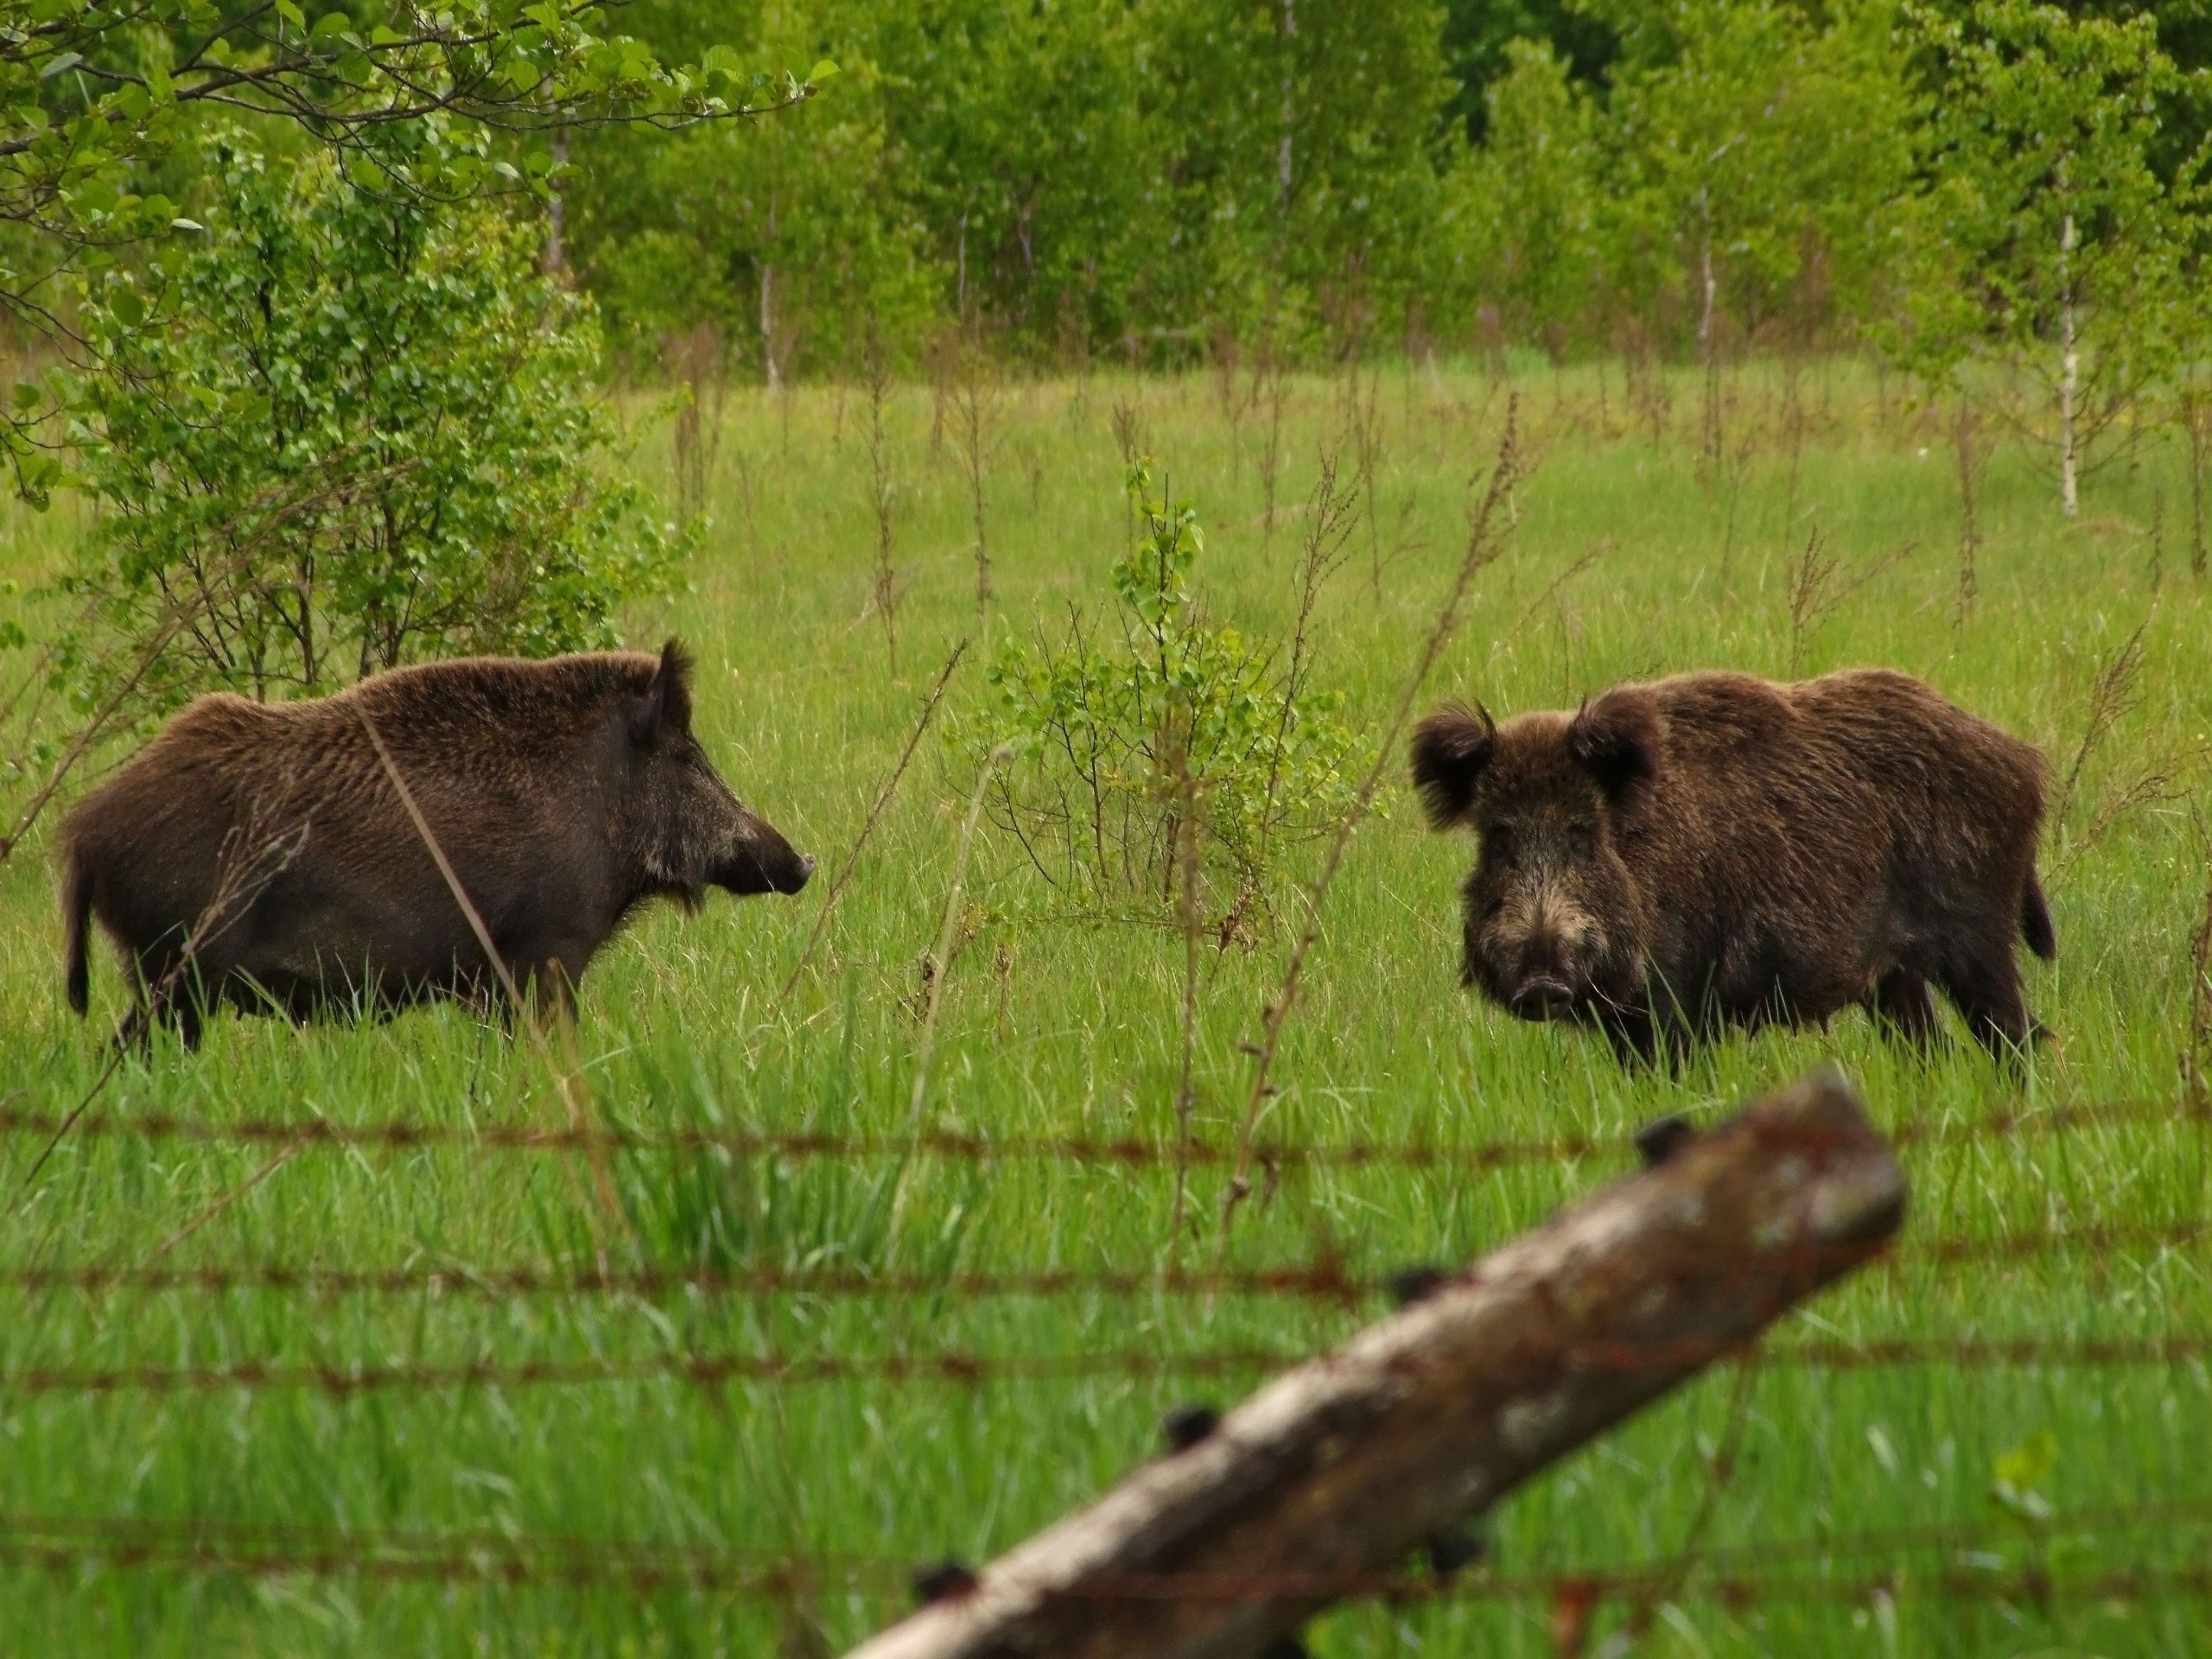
<point x="261" y="853"/>
<point x="1714" y="849"/>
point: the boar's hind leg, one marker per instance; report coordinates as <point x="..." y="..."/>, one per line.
<point x="1903" y="1007"/>
<point x="1987" y="989"/>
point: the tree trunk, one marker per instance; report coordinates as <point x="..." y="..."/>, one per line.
<point x="556" y="253"/>
<point x="773" y="370"/>
<point x="2070" y="378"/>
<point x="1282" y="145"/>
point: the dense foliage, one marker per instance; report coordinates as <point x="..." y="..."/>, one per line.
<point x="102" y="103"/>
<point x="1153" y="178"/>
<point x="369" y="434"/>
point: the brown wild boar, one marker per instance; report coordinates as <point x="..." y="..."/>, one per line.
<point x="1714" y="849"/>
<point x="260" y="854"/>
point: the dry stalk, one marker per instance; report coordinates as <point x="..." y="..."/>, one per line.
<point x="1330" y="516"/>
<point x="877" y="368"/>
<point x="977" y="407"/>
<point x="1485" y="543"/>
<point x="874" y="814"/>
<point x="934" y="967"/>
<point x="283" y="1157"/>
<point x="1588" y="557"/>
<point x="1667" y="1582"/>
<point x="2113" y="697"/>
<point x="1819" y="581"/>
<point x="568" y="1081"/>
<point x="1969" y="461"/>
<point x="696" y="359"/>
<point x="2196" y="1058"/>
<point x="2197" y="411"/>
<point x="1190" y="915"/>
<point x="2149" y="786"/>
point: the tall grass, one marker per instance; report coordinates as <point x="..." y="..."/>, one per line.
<point x="1045" y="1028"/>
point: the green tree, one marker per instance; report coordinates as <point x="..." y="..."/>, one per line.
<point x="94" y="94"/>
<point x="2046" y="236"/>
<point x="1532" y="196"/>
<point x="1761" y="147"/>
<point x="366" y="437"/>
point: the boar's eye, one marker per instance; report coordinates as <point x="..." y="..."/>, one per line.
<point x="1497" y="841"/>
<point x="1581" y="838"/>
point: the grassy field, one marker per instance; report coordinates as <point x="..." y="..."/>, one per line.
<point x="1623" y="562"/>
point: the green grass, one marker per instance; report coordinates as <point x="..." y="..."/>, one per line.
<point x="1053" y="1028"/>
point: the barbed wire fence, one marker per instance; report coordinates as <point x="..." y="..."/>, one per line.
<point x="1175" y="1597"/>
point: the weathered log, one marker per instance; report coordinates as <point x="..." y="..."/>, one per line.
<point x="1335" y="1472"/>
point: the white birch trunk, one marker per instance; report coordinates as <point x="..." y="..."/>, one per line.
<point x="773" y="371"/>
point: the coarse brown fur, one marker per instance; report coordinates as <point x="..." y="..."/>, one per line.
<point x="1715" y="848"/>
<point x="260" y="854"/>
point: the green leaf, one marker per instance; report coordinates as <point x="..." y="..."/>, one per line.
<point x="27" y="395"/>
<point x="821" y="71"/>
<point x="2028" y="1466"/>
<point x="127" y="307"/>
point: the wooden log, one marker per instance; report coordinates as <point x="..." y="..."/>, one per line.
<point x="1333" y="1473"/>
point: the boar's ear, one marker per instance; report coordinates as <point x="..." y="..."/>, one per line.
<point x="1616" y="739"/>
<point x="667" y="707"/>
<point x="1449" y="751"/>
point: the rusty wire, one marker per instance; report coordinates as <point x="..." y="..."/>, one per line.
<point x="1738" y="1579"/>
<point x="415" y="1135"/>
<point x="972" y="1368"/>
<point x="1323" y="1281"/>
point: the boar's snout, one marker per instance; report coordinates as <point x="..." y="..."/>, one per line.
<point x="1542" y="997"/>
<point x="762" y="861"/>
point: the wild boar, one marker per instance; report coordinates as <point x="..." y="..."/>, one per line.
<point x="261" y="853"/>
<point x="1714" y="848"/>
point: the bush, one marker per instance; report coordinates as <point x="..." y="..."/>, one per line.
<point x="365" y="434"/>
<point x="1160" y="742"/>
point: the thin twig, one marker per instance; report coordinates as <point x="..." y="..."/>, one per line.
<point x="227" y="1200"/>
<point x="942" y="962"/>
<point x="563" y="1076"/>
<point x="875" y="812"/>
<point x="1484" y="543"/>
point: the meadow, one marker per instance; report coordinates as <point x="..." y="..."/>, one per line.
<point x="1637" y="547"/>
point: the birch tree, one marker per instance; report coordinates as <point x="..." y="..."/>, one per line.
<point x="2046" y="238"/>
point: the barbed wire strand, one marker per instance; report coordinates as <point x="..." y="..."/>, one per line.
<point x="1323" y="1281"/>
<point x="408" y="1136"/>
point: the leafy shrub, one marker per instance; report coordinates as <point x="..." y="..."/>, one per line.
<point x="1160" y="742"/>
<point x="365" y="434"/>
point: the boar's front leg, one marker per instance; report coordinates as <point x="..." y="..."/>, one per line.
<point x="1635" y="1038"/>
<point x="1903" y="1007"/>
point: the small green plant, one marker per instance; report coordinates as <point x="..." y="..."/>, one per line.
<point x="369" y="434"/>
<point x="1159" y="750"/>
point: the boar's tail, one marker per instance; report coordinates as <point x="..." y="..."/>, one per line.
<point x="2035" y="920"/>
<point x="76" y="918"/>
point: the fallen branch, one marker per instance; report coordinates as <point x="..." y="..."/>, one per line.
<point x="1338" y="1469"/>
